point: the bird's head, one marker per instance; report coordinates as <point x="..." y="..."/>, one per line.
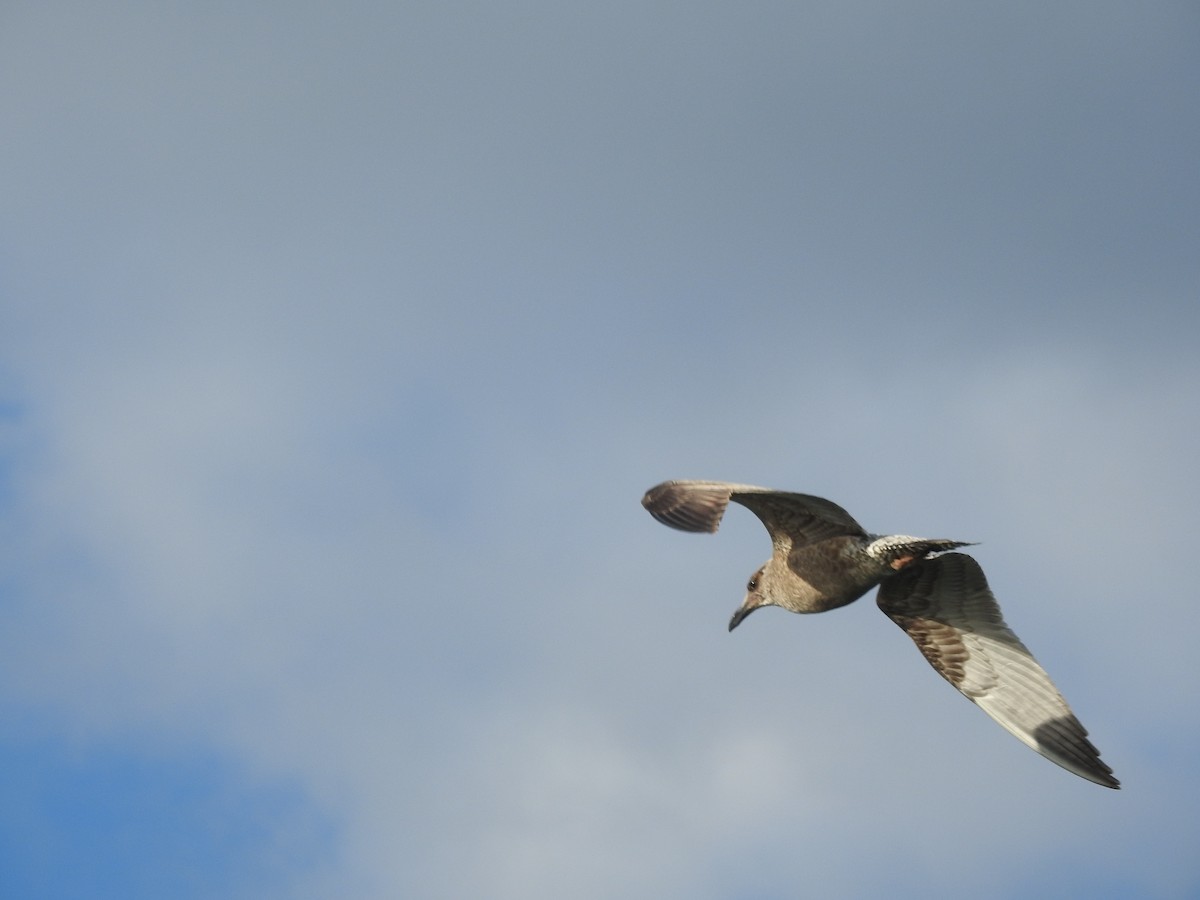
<point x="758" y="593"/>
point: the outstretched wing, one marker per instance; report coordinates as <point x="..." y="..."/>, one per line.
<point x="699" y="506"/>
<point x="945" y="606"/>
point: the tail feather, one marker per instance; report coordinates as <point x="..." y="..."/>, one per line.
<point x="899" y="550"/>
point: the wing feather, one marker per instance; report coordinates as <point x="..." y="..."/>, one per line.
<point x="944" y="604"/>
<point x="801" y="519"/>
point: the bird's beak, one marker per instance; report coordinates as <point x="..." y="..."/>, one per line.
<point x="742" y="612"/>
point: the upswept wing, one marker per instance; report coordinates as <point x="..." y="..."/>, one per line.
<point x="699" y="506"/>
<point x="945" y="606"/>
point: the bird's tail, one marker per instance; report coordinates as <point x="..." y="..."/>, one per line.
<point x="900" y="550"/>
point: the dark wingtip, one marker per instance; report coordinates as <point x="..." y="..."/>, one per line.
<point x="1064" y="740"/>
<point x="687" y="505"/>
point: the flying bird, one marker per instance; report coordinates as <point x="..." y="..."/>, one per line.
<point x="822" y="559"/>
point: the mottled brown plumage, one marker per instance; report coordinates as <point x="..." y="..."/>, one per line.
<point x="822" y="559"/>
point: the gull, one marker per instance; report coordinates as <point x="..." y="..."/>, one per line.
<point x="822" y="559"/>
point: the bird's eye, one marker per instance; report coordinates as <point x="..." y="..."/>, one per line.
<point x="752" y="584"/>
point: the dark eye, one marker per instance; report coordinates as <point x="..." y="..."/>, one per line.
<point x="752" y="584"/>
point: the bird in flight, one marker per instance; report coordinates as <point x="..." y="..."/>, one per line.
<point x="822" y="559"/>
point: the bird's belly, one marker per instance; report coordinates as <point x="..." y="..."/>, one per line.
<point x="820" y="601"/>
<point x="826" y="577"/>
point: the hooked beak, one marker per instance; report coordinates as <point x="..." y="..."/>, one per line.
<point x="741" y="613"/>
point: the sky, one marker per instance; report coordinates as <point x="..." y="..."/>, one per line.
<point x="339" y="342"/>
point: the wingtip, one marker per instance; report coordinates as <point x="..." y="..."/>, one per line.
<point x="688" y="505"/>
<point x="1101" y="776"/>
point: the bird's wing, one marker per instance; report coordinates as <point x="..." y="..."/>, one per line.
<point x="945" y="606"/>
<point x="699" y="506"/>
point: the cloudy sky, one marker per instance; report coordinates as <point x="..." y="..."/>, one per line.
<point x="338" y="343"/>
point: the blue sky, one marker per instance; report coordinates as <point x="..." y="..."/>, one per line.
<point x="339" y="345"/>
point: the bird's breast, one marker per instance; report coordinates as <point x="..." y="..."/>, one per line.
<point x="829" y="574"/>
